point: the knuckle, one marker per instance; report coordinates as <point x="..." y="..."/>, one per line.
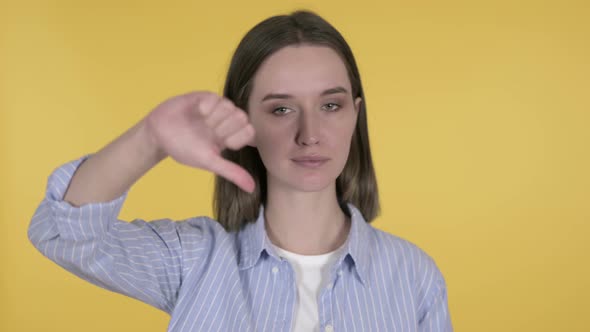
<point x="207" y="101"/>
<point x="250" y="132"/>
<point x="231" y="143"/>
<point x="226" y="103"/>
<point x="218" y="132"/>
<point x="241" y="116"/>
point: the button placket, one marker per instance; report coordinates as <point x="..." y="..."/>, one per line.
<point x="288" y="289"/>
<point x="325" y="306"/>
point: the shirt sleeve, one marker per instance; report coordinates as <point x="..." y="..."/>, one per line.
<point x="434" y="311"/>
<point x="140" y="259"/>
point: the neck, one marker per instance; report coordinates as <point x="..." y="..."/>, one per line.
<point x="306" y="223"/>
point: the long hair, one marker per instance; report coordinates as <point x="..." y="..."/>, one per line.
<point x="356" y="184"/>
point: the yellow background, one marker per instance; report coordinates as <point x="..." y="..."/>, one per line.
<point x="478" y="111"/>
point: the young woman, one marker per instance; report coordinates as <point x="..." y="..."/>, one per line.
<point x="292" y="248"/>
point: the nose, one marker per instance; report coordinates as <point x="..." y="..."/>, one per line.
<point x="309" y="129"/>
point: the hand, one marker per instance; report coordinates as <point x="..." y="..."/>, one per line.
<point x="194" y="128"/>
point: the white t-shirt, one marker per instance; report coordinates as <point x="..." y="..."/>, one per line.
<point x="312" y="272"/>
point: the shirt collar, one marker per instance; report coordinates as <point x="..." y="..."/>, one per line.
<point x="254" y="240"/>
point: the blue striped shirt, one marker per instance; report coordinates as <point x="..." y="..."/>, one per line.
<point x="209" y="279"/>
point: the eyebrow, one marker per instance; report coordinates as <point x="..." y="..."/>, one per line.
<point x="331" y="91"/>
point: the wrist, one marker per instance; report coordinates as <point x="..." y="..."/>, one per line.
<point x="147" y="144"/>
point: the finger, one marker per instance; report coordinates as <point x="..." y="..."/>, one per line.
<point x="220" y="112"/>
<point x="233" y="173"/>
<point x="231" y="124"/>
<point x="241" y="138"/>
<point x="202" y="102"/>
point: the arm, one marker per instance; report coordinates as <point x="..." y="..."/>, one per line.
<point x="192" y="129"/>
<point x="433" y="311"/>
<point x="92" y="243"/>
<point x="77" y="226"/>
<point x="436" y="317"/>
<point x="114" y="169"/>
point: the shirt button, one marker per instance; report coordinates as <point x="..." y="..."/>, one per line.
<point x="330" y="286"/>
<point x="340" y="273"/>
<point x="329" y="328"/>
<point x="275" y="270"/>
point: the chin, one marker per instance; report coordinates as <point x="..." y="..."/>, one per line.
<point x="306" y="180"/>
<point x="311" y="184"/>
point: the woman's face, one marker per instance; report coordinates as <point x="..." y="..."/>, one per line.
<point x="304" y="115"/>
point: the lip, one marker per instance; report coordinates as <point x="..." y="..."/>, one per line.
<point x="311" y="161"/>
<point x="310" y="158"/>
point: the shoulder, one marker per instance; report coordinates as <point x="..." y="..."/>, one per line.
<point x="204" y="239"/>
<point x="402" y="256"/>
<point x="190" y="234"/>
<point x="203" y="227"/>
<point x="398" y="250"/>
<point x="187" y="233"/>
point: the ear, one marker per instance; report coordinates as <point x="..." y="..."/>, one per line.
<point x="252" y="141"/>
<point x="357" y="104"/>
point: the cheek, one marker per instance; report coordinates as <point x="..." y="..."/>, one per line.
<point x="341" y="133"/>
<point x="271" y="141"/>
<point x="270" y="129"/>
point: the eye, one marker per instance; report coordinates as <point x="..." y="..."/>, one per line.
<point x="281" y="111"/>
<point x="331" y="107"/>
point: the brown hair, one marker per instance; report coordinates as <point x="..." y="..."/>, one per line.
<point x="356" y="184"/>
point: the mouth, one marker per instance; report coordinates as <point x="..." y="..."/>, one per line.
<point x="310" y="162"/>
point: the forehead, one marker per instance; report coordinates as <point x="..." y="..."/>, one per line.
<point x="301" y="70"/>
